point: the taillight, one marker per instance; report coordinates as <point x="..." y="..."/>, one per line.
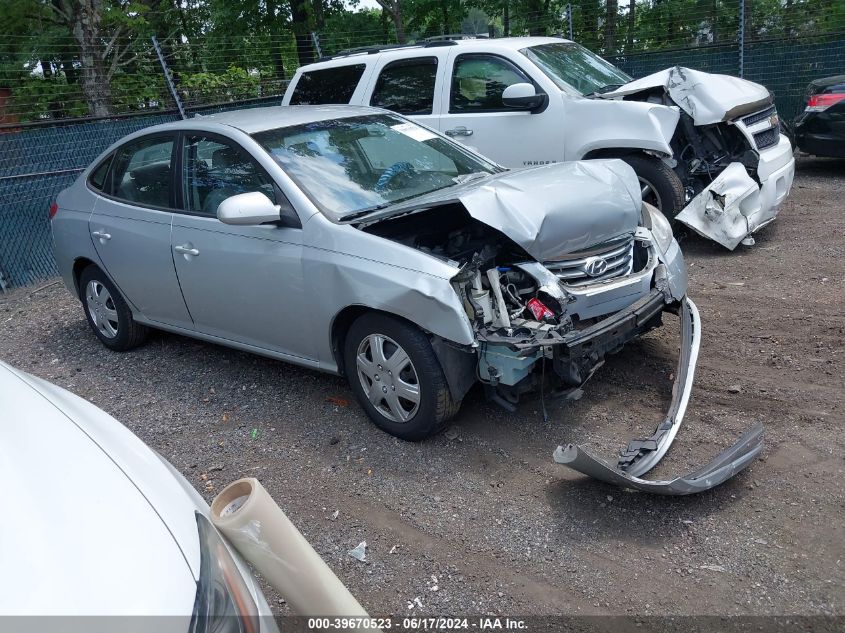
<point x="54" y="208"/>
<point x="820" y="103"/>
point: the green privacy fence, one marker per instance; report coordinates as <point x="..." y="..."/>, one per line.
<point x="784" y="66"/>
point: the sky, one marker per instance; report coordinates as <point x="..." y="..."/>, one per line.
<point x="368" y="4"/>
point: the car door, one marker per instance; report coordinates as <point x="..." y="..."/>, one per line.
<point x="130" y="228"/>
<point x="473" y="112"/>
<point x="241" y="283"/>
<point x="409" y="86"/>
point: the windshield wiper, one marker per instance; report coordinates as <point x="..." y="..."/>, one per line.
<point x="360" y="214"/>
<point x="604" y="89"/>
<point x="461" y="179"/>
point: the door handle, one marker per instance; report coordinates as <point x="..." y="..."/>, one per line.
<point x="459" y="131"/>
<point x="186" y="249"/>
<point x="102" y="235"/>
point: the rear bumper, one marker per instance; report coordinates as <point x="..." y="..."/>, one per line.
<point x="821" y="144"/>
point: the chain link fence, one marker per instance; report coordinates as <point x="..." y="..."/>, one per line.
<point x="54" y="120"/>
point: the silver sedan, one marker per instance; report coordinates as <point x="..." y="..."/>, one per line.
<point x="351" y="240"/>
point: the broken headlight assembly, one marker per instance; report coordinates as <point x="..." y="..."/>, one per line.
<point x="224" y="603"/>
<point x="659" y="226"/>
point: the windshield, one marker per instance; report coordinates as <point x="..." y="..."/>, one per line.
<point x="351" y="166"/>
<point x="571" y="65"/>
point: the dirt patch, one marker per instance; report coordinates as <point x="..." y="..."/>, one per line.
<point x="482" y="513"/>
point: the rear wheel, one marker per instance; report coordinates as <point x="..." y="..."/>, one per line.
<point x="108" y="313"/>
<point x="660" y="186"/>
<point x="396" y="377"/>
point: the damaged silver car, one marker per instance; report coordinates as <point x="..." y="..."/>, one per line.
<point x="351" y="240"/>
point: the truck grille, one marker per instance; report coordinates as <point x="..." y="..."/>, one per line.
<point x="751" y="119"/>
<point x="611" y="259"/>
<point x="767" y="138"/>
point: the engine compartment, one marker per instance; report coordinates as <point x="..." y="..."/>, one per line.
<point x="517" y="307"/>
<point x="702" y="151"/>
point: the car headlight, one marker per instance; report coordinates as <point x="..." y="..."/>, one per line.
<point x="224" y="603"/>
<point x="659" y="226"/>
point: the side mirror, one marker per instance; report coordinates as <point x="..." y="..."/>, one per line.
<point x="523" y="97"/>
<point x="248" y="209"/>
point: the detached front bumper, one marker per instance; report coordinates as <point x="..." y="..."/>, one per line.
<point x="641" y="455"/>
<point x="734" y="205"/>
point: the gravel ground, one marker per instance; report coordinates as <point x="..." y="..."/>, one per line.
<point x="479" y="519"/>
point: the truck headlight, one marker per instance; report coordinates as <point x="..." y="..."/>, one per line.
<point x="659" y="226"/>
<point x="224" y="603"/>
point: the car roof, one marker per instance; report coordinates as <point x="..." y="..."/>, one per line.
<point x="481" y="44"/>
<point x="253" y="120"/>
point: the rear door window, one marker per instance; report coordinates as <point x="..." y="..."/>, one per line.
<point x="141" y="172"/>
<point x="407" y="86"/>
<point x="329" y="85"/>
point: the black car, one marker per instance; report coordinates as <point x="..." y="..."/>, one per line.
<point x="820" y="128"/>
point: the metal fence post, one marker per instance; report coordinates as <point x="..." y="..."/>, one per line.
<point x="741" y="38"/>
<point x="169" y="78"/>
<point x="316" y="39"/>
<point x="569" y="18"/>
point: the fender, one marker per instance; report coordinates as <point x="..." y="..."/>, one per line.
<point x="594" y="124"/>
<point x="403" y="282"/>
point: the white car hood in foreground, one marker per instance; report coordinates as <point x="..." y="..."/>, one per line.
<point x="707" y="98"/>
<point x="82" y="532"/>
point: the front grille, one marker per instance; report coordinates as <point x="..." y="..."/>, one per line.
<point x="751" y="119"/>
<point x="767" y="138"/>
<point x="617" y="255"/>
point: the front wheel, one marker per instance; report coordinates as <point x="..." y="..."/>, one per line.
<point x="660" y="186"/>
<point x="397" y="378"/>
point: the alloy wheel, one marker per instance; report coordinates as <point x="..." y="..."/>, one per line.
<point x="649" y="193"/>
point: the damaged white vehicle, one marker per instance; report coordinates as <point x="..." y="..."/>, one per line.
<point x="707" y="148"/>
<point x="354" y="241"/>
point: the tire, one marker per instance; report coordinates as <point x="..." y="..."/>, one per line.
<point x="434" y="405"/>
<point x="108" y="313"/>
<point x="665" y="189"/>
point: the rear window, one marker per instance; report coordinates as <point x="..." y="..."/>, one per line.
<point x="329" y="85"/>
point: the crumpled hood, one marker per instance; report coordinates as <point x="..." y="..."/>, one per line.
<point x="707" y="98"/>
<point x="551" y="210"/>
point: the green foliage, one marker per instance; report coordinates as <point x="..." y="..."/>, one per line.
<point x="232" y="85"/>
<point x="222" y="50"/>
<point x="37" y="98"/>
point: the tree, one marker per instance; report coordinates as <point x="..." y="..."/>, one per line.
<point x="394" y="10"/>
<point x="611" y="13"/>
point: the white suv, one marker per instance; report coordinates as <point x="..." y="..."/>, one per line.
<point x="707" y="148"/>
